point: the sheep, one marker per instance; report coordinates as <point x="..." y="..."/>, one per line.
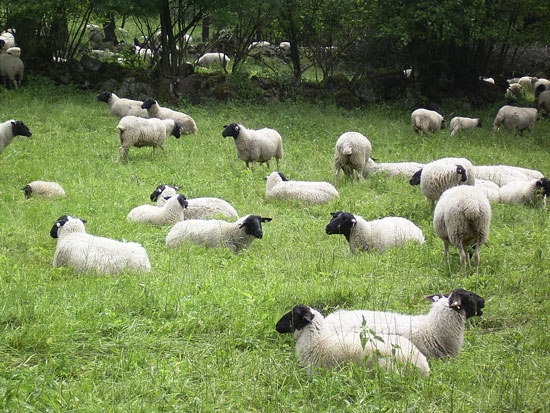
<point x="489" y="189"/>
<point x="279" y="187"/>
<point x="424" y="120"/>
<point x="515" y="91"/>
<point x="11" y="68"/>
<point x="141" y="132"/>
<point x="351" y="153"/>
<point x="322" y="344"/>
<point x="255" y="145"/>
<point x="379" y="234"/>
<point x="121" y="106"/>
<point x="209" y="59"/>
<point x="11" y="128"/>
<point x="170" y="213"/>
<point x="391" y="168"/>
<point x="525" y="192"/>
<point x="462" y="123"/>
<point x="525" y="82"/>
<point x="543" y="102"/>
<point x="95" y="35"/>
<point x="488" y="80"/>
<point x="85" y="252"/>
<point x="14" y="51"/>
<point x="514" y="117"/>
<point x="7" y="40"/>
<point x="437" y="334"/>
<point x="539" y="86"/>
<point x="504" y="174"/>
<point x="217" y="233"/>
<point x="284" y="46"/>
<point x="44" y="189"/>
<point x="462" y="217"/>
<point x="154" y="110"/>
<point x="197" y="208"/>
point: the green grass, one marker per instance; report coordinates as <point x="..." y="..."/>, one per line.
<point x="197" y="333"/>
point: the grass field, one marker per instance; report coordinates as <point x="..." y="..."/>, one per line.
<point x="198" y="332"/>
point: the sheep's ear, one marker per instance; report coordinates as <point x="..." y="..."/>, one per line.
<point x="83" y="220"/>
<point x="353" y="221"/>
<point x="176" y="188"/>
<point x="225" y="126"/>
<point x="434" y="298"/>
<point x="266" y="219"/>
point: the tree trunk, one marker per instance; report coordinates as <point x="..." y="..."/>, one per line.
<point x="206" y="29"/>
<point x="109" y="29"/>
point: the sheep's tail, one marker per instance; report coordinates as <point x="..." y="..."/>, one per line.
<point x="121" y="131"/>
<point x="347" y="149"/>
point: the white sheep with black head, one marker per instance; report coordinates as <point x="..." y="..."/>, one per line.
<point x="532" y="191"/>
<point x="311" y="192"/>
<point x="45" y="189"/>
<point x="170" y="213"/>
<point x="122" y="106"/>
<point x="351" y="153"/>
<point x="184" y="121"/>
<point x="11" y="128"/>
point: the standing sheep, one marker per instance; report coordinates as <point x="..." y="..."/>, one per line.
<point x="209" y="59"/>
<point x="141" y="132"/>
<point x="11" y="68"/>
<point x="121" y="106"/>
<point x="525" y="192"/>
<point x="351" y="153"/>
<point x="322" y="344"/>
<point x="278" y="187"/>
<point x="217" y="233"/>
<point x="379" y="234"/>
<point x="462" y="217"/>
<point x="170" y="213"/>
<point x="461" y="123"/>
<point x="11" y="128"/>
<point x="424" y="120"/>
<point x="255" y="145"/>
<point x="514" y="117"/>
<point x="543" y="103"/>
<point x="44" y="189"/>
<point x="185" y="122"/>
<point x="84" y="252"/>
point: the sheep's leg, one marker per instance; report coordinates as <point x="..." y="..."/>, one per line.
<point x="253" y="165"/>
<point x="337" y="175"/>
<point x="358" y="176"/>
<point x="476" y="256"/>
<point x="120" y="150"/>
<point x="445" y="253"/>
<point x="463" y="257"/>
<point x="126" y="150"/>
<point x="278" y="163"/>
<point x="267" y="163"/>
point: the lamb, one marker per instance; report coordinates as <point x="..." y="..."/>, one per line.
<point x="543" y="102"/>
<point x="85" y="252"/>
<point x="462" y="123"/>
<point x="489" y="189"/>
<point x="209" y="59"/>
<point x="525" y="192"/>
<point x="322" y="344"/>
<point x="212" y="233"/>
<point x="121" y="106"/>
<point x="170" y="213"/>
<point x="258" y="145"/>
<point x="438" y="334"/>
<point x="462" y="217"/>
<point x="197" y="208"/>
<point x="141" y="132"/>
<point x="379" y="234"/>
<point x="514" y="117"/>
<point x="185" y="122"/>
<point x="504" y="174"/>
<point x="424" y="120"/>
<point x="11" y="128"/>
<point x="392" y="168"/>
<point x="44" y="189"/>
<point x="11" y="68"/>
<point x="279" y="187"/>
<point x="351" y="153"/>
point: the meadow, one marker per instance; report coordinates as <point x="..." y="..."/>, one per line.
<point x="197" y="333"/>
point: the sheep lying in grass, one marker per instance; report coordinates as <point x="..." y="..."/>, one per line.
<point x="514" y="117"/>
<point x="379" y="234"/>
<point x="462" y="123"/>
<point x="154" y="110"/>
<point x="322" y="344"/>
<point x="424" y="120"/>
<point x="489" y="189"/>
<point x="121" y="106"/>
<point x="504" y="174"/>
<point x="170" y="213"/>
<point x="438" y="334"/>
<point x="217" y="233"/>
<point x="526" y="192"/>
<point x="84" y="252"/>
<point x="255" y="145"/>
<point x="351" y="153"/>
<point x="11" y="128"/>
<point x="44" y="189"/>
<point x="312" y="192"/>
<point x="462" y="217"/>
<point x="404" y="169"/>
<point x="141" y="132"/>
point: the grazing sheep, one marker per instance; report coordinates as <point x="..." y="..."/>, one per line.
<point x="217" y="233"/>
<point x="11" y="68"/>
<point x="278" y="187"/>
<point x="514" y="117"/>
<point x="392" y="168"/>
<point x="84" y="252"/>
<point x="461" y="123"/>
<point x="154" y="110"/>
<point x="351" y="153"/>
<point x="489" y="189"/>
<point x="424" y="120"/>
<point x="525" y="192"/>
<point x="504" y="174"/>
<point x="258" y="145"/>
<point x="543" y="102"/>
<point x="322" y="344"/>
<point x="438" y="334"/>
<point x="141" y="132"/>
<point x="379" y="234"/>
<point x="514" y="91"/>
<point x="11" y="128"/>
<point x="209" y="59"/>
<point x="462" y="217"/>
<point x="121" y="106"/>
<point x="539" y="86"/>
<point x="44" y="189"/>
<point x="170" y="213"/>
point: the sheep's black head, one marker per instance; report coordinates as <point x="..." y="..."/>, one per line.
<point x="442" y="123"/>
<point x="461" y="300"/>
<point x="280" y="174"/>
<point x="18" y="128"/>
<point x="298" y="318"/>
<point x="461" y="171"/>
<point x="543" y="186"/>
<point x="147" y="103"/>
<point x="415" y="179"/>
<point x="104" y="96"/>
<point x="154" y="196"/>
<point x="2" y="43"/>
<point x="253" y="225"/>
<point x="28" y="191"/>
<point x="341" y="223"/>
<point x="232" y="129"/>
<point x="62" y="220"/>
<point x="176" y="131"/>
<point x="182" y="201"/>
<point x="479" y="123"/>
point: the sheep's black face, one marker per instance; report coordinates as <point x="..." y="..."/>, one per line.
<point x="479" y="123"/>
<point x="282" y="176"/>
<point x="28" y="191"/>
<point x="182" y="201"/>
<point x="298" y="318"/>
<point x="253" y="225"/>
<point x="18" y="128"/>
<point x="62" y="220"/>
<point x="467" y="301"/>
<point x="443" y="124"/>
<point x="341" y="223"/>
<point x="147" y="103"/>
<point x="231" y="130"/>
<point x="543" y="186"/>
<point x="415" y="179"/>
<point x="461" y="171"/>
<point x="104" y="96"/>
<point x="154" y="196"/>
<point x="2" y="43"/>
<point x="176" y="131"/>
